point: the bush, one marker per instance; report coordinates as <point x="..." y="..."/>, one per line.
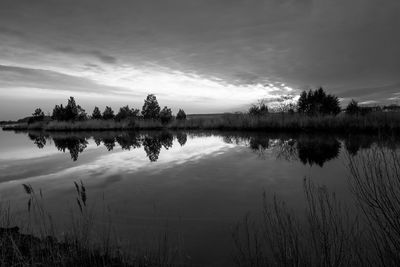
<point x="181" y="115"/>
<point x="165" y="115"/>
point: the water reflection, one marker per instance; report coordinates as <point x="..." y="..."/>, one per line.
<point x="73" y="144"/>
<point x="39" y="140"/>
<point x="317" y="150"/>
<point x="306" y="148"/>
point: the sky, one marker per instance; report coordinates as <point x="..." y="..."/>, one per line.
<point x="205" y="56"/>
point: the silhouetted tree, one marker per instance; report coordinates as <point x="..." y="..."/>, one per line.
<point x="318" y="102"/>
<point x="71" y="112"/>
<point x="181" y="115"/>
<point x="38" y="115"/>
<point x="58" y="113"/>
<point x="352" y="108"/>
<point x="126" y="113"/>
<point x="96" y="114"/>
<point x="165" y="115"/>
<point x="151" y="109"/>
<point x="108" y="113"/>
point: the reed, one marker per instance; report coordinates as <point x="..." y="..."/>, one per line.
<point x="34" y="242"/>
<point x="330" y="235"/>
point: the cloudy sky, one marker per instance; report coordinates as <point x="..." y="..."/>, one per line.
<point x="202" y="55"/>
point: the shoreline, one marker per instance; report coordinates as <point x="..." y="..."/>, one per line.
<point x="381" y="122"/>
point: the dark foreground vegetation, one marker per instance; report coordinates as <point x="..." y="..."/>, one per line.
<point x="83" y="243"/>
<point x="329" y="233"/>
<point x="314" y="111"/>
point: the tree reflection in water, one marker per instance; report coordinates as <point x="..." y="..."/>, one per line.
<point x="38" y="139"/>
<point x="306" y="148"/>
<point x="182" y="138"/>
<point x="73" y="144"/>
<point x="317" y="150"/>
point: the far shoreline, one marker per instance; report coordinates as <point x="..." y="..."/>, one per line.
<point x="375" y="122"/>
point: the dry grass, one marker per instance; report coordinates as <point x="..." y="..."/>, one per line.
<point x="375" y="181"/>
<point x="330" y="236"/>
<point x="83" y="243"/>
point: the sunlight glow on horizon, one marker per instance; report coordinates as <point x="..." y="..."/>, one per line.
<point x="117" y="83"/>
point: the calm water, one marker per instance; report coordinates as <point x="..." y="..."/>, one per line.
<point x="197" y="185"/>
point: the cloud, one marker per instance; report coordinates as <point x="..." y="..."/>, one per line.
<point x="14" y="76"/>
<point x="95" y="53"/>
<point x="10" y="32"/>
<point x="238" y="44"/>
<point x="379" y="93"/>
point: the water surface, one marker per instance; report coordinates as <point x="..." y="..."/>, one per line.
<point x="197" y="185"/>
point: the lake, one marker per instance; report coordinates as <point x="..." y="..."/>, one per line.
<point x="194" y="185"/>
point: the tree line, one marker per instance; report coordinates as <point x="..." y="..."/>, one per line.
<point x="318" y="102"/>
<point x="73" y="112"/>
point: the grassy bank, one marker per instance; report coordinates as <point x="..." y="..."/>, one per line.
<point x="373" y="122"/>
